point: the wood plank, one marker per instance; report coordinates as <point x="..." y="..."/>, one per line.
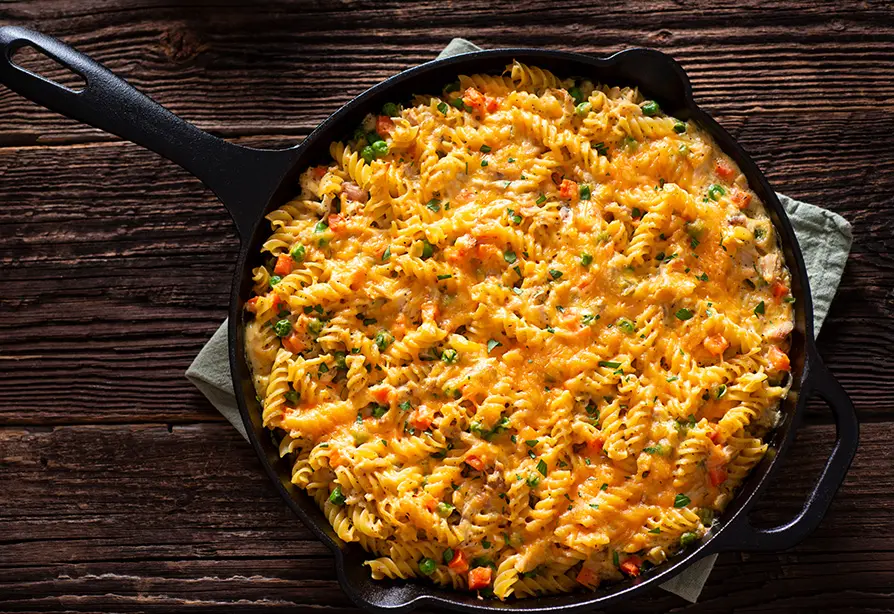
<point x="147" y="518"/>
<point x="207" y="65"/>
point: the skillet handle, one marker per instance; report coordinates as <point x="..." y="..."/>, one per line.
<point x="243" y="178"/>
<point x="746" y="537"/>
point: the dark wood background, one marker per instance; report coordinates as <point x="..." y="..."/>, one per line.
<point x="122" y="489"/>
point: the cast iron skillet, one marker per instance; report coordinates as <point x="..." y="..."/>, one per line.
<point x="251" y="182"/>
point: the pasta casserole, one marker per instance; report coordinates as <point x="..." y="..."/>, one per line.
<point x="521" y="337"/>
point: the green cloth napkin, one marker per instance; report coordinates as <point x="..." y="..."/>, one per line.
<point x="825" y="240"/>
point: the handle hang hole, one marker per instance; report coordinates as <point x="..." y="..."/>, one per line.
<point x="35" y="61"/>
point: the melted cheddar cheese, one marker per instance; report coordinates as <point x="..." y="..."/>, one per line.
<point x="525" y="336"/>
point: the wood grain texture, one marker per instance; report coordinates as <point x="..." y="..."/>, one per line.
<point x="123" y="489"/>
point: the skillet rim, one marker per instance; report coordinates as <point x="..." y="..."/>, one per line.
<point x="748" y="493"/>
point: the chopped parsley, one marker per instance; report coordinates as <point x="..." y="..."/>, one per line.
<point x="684" y="314"/>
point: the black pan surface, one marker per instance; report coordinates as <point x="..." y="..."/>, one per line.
<point x="252" y="182"/>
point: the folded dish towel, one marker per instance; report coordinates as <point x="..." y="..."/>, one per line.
<point x="825" y="240"/>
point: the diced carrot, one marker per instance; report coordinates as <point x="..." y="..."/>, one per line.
<point x="294" y="343"/>
<point x="475" y="463"/>
<point x="778" y="359"/>
<point x="336" y="222"/>
<point x="587" y="577"/>
<point x="717" y="476"/>
<point x="779" y="290"/>
<point x="716" y="437"/>
<point x="384" y="125"/>
<point x="459" y="563"/>
<point x="284" y="264"/>
<point x="741" y="199"/>
<point x="595" y="445"/>
<point x="480" y="578"/>
<point x="421" y="418"/>
<point x="716" y="344"/>
<point x="723" y="170"/>
<point x="568" y="189"/>
<point x="251" y="305"/>
<point x="319" y="171"/>
<point x="631" y="566"/>
<point x="276" y="302"/>
<point x="382" y="395"/>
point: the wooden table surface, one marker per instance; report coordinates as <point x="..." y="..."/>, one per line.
<point x="121" y="488"/>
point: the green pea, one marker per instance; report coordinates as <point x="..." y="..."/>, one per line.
<point x="427" y="566"/>
<point x="576" y="94"/>
<point x="688" y="538"/>
<point x="314" y="326"/>
<point x="282" y="328"/>
<point x="298" y="253"/>
<point x="368" y="154"/>
<point x="679" y="127"/>
<point x="380" y="149"/>
<point x="340" y="360"/>
<point x="445" y="509"/>
<point x="651" y="108"/>
<point x="275" y="279"/>
<point x="390" y="109"/>
<point x="583" y="108"/>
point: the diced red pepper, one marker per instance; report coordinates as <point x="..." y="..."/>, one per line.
<point x="382" y="395"/>
<point x="778" y="359"/>
<point x="422" y="418"/>
<point x="284" y="264"/>
<point x="631" y="566"/>
<point x="475" y="463"/>
<point x="724" y="170"/>
<point x="459" y="563"/>
<point x="717" y="475"/>
<point x="741" y="199"/>
<point x="336" y="222"/>
<point x="294" y="343"/>
<point x="319" y="171"/>
<point x="779" y="290"/>
<point x="477" y="100"/>
<point x="384" y="125"/>
<point x="251" y="305"/>
<point x="480" y="578"/>
<point x="595" y="445"/>
<point x="716" y="344"/>
<point x="587" y="577"/>
<point x="568" y="189"/>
